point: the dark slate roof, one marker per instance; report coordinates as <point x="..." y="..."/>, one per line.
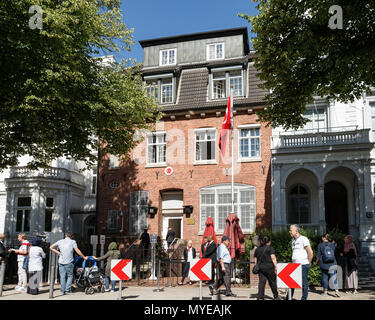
<point x="197" y="36"/>
<point x="193" y="87"/>
<point x="256" y="94"/>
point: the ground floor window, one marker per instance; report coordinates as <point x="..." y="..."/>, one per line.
<point x="23" y="214"/>
<point x="299" y="205"/>
<point x="215" y="202"/>
<point x="138" y="211"/>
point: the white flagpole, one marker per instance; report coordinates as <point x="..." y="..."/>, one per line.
<point x="231" y="136"/>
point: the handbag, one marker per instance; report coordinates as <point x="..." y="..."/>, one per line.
<point x="256" y="268"/>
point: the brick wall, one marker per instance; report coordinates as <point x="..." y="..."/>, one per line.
<point x="187" y="177"/>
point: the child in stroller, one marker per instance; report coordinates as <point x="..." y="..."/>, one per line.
<point x="87" y="275"/>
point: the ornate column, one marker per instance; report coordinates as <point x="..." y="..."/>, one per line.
<point x="276" y="197"/>
<point x="321" y="204"/>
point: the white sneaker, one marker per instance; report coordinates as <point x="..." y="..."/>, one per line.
<point x="106" y="290"/>
<point x="17" y="288"/>
<point x="112" y="290"/>
<point x="22" y="289"/>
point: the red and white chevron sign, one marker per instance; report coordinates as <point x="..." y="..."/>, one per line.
<point x="200" y="270"/>
<point x="289" y="275"/>
<point x="121" y="269"/>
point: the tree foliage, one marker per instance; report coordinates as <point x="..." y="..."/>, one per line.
<point x="57" y="99"/>
<point x="298" y="55"/>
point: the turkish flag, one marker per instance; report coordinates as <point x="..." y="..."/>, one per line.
<point x="225" y="128"/>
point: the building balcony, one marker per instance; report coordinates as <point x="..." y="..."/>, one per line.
<point x="327" y="139"/>
<point x="48" y="173"/>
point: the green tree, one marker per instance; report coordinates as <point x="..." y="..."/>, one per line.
<point x="57" y="99"/>
<point x="298" y="55"/>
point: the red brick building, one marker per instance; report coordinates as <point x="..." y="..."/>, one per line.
<point x="179" y="165"/>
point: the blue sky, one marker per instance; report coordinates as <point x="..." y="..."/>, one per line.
<point x="163" y="18"/>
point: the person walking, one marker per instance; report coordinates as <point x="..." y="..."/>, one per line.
<point x="302" y="254"/>
<point x="266" y="259"/>
<point x="22" y="252"/>
<point x="210" y="253"/>
<point x="327" y="263"/>
<point x="66" y="247"/>
<point x="36" y="256"/>
<point x="351" y="268"/>
<point x="223" y="268"/>
<point x="170" y="236"/>
<point x="112" y="253"/>
<point x="189" y="254"/>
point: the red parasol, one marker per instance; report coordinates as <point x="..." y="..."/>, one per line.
<point x="209" y="231"/>
<point x="234" y="232"/>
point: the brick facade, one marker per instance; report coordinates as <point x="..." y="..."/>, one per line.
<point x="187" y="177"/>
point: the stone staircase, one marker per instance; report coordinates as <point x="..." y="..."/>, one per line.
<point x="366" y="276"/>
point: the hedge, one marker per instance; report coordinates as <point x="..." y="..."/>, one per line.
<point x="281" y="241"/>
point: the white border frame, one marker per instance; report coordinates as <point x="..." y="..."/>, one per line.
<point x="208" y="51"/>
<point x="249" y="159"/>
<point x="158" y="164"/>
<point x="200" y="162"/>
<point x="161" y="54"/>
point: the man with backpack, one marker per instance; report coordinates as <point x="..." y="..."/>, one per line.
<point x="327" y="262"/>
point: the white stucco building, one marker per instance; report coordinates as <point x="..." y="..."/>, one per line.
<point x="324" y="174"/>
<point x="48" y="201"/>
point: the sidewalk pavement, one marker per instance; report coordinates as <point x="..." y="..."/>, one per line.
<point x="175" y="293"/>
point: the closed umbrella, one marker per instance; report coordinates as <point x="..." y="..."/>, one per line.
<point x="209" y="231"/>
<point x="234" y="232"/>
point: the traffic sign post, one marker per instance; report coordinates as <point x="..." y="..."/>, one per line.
<point x="289" y="276"/>
<point x="94" y="243"/>
<point x="102" y="242"/>
<point x="121" y="269"/>
<point x="200" y="270"/>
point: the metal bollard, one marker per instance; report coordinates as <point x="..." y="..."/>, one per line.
<point x="2" y="274"/>
<point x="52" y="274"/>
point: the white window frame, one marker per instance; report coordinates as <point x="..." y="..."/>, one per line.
<point x="114" y="162"/>
<point x="314" y="120"/>
<point x="137" y="206"/>
<point x="227" y="71"/>
<point x="215" y="51"/>
<point x="158" y="79"/>
<point x="371" y="101"/>
<point x="158" y="145"/>
<point x="94" y="181"/>
<point x="210" y="161"/>
<point x="45" y="212"/>
<point x="168" y="57"/>
<point x="217" y="189"/>
<point x="162" y="85"/>
<point x="250" y="158"/>
<point x="115" y="214"/>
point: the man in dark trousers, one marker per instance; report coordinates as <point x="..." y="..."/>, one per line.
<point x="170" y="236"/>
<point x="210" y="253"/>
<point x="3" y="250"/>
<point x="145" y="241"/>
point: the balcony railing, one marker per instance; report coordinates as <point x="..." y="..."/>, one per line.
<point x="51" y="172"/>
<point x="328" y="136"/>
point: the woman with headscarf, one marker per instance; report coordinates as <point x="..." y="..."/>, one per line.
<point x="351" y="269"/>
<point x="112" y="253"/>
<point x="36" y="256"/>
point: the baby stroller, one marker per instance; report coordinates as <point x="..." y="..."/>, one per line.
<point x="87" y="275"/>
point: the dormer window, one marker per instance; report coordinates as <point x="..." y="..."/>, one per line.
<point x="161" y="88"/>
<point x="215" y="51"/>
<point x="223" y="79"/>
<point x="168" y="57"/>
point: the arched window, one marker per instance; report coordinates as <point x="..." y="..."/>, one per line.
<point x="299" y="205"/>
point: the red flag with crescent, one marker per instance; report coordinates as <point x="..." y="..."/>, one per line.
<point x="225" y="128"/>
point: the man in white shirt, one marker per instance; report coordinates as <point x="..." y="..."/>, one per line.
<point x="303" y="254"/>
<point x="22" y="252"/>
<point x="223" y="268"/>
<point x="66" y="248"/>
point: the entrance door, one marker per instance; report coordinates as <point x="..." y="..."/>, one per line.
<point x="175" y="224"/>
<point x="336" y="206"/>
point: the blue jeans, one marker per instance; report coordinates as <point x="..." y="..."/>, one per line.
<point x="305" y="281"/>
<point x="66" y="270"/>
<point x="325" y="276"/>
<point x="106" y="280"/>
